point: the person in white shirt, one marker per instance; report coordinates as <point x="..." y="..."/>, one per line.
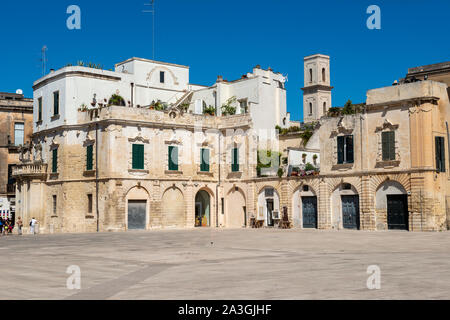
<point x="33" y="223"/>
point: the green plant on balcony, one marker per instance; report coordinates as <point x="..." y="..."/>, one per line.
<point x="184" y="106"/>
<point x="310" y="167"/>
<point x="158" y="105"/>
<point x="228" y="108"/>
<point x="280" y="172"/>
<point x="210" y="110"/>
<point x="116" y="100"/>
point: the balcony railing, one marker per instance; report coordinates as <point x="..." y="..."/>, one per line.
<point x="29" y="170"/>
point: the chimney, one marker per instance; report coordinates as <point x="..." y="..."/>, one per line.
<point x="219" y="79"/>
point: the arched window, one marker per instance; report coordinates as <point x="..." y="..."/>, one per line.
<point x="323" y="75"/>
<point x="310" y="75"/>
<point x="310" y="108"/>
<point x="324" y="108"/>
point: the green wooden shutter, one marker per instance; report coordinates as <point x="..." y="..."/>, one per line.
<point x="235" y="160"/>
<point x="56" y="103"/>
<point x="55" y="161"/>
<point x="204" y="165"/>
<point x="138" y="156"/>
<point x="173" y="158"/>
<point x="40" y="109"/>
<point x="340" y="149"/>
<point x="89" y="157"/>
<point x="349" y="151"/>
<point x="388" y="145"/>
<point x="440" y="154"/>
<point x="441" y="139"/>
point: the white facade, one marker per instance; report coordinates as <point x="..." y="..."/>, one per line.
<point x="317" y="87"/>
<point x="140" y="81"/>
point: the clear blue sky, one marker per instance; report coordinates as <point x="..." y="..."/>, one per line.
<point x="230" y="37"/>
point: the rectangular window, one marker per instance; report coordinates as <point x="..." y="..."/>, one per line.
<point x="40" y="109"/>
<point x="89" y="157"/>
<point x="161" y="76"/>
<point x="235" y="160"/>
<point x="55" y="161"/>
<point x="55" y="103"/>
<point x="138" y="157"/>
<point x="54" y="205"/>
<point x="440" y="154"/>
<point x="388" y="145"/>
<point x="204" y="165"/>
<point x="345" y="149"/>
<point x="173" y="158"/>
<point x="19" y="129"/>
<point x="89" y="203"/>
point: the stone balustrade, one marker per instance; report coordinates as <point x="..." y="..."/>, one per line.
<point x="29" y="170"/>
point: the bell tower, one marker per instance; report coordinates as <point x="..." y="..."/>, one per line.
<point x="317" y="88"/>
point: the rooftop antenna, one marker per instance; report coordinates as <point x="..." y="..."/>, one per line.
<point x="152" y="11"/>
<point x="44" y="60"/>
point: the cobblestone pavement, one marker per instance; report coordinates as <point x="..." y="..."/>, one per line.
<point x="227" y="264"/>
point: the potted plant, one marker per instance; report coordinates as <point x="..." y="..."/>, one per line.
<point x="304" y="157"/>
<point x="315" y="158"/>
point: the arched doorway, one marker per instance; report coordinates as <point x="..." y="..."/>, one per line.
<point x="173" y="208"/>
<point x="392" y="202"/>
<point x="202" y="209"/>
<point x="304" y="206"/>
<point x="236" y="209"/>
<point x="268" y="206"/>
<point x="137" y="209"/>
<point x="345" y="207"/>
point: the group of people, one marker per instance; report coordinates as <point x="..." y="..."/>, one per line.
<point x="7" y="226"/>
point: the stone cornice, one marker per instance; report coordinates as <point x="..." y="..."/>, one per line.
<point x="403" y="102"/>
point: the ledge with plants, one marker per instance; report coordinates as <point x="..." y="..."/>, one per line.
<point x="349" y="108"/>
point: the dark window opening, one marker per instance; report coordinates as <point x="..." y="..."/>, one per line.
<point x="56" y="103"/>
<point x="345" y="149"/>
<point x="161" y="76"/>
<point x="440" y="154"/>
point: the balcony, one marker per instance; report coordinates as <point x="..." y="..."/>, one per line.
<point x="30" y="171"/>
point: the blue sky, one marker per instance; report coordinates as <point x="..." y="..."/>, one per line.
<point x="230" y="37"/>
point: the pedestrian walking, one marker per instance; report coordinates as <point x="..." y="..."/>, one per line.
<point x="19" y="226"/>
<point x="6" y="227"/>
<point x="33" y="223"/>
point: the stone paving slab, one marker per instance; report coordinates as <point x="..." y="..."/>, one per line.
<point x="227" y="264"/>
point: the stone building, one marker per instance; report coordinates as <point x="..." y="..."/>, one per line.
<point x="100" y="166"/>
<point x="16" y="127"/>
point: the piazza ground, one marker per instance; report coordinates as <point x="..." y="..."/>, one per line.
<point x="227" y="264"/>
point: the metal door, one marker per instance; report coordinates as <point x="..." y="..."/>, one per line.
<point x="309" y="211"/>
<point x="397" y="212"/>
<point x="137" y="214"/>
<point x="350" y="212"/>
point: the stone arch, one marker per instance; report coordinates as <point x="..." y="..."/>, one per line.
<point x="203" y="202"/>
<point x="391" y="206"/>
<point x="137" y="200"/>
<point x="235" y="208"/>
<point x="296" y="200"/>
<point x="173" y="213"/>
<point x="162" y="68"/>
<point x="267" y="204"/>
<point x="338" y="204"/>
